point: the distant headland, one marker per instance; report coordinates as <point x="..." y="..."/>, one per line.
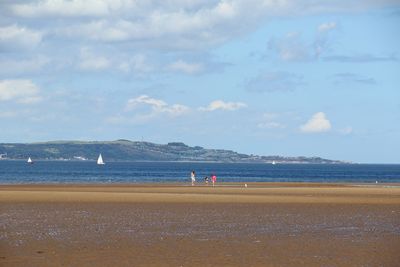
<point x="126" y="150"/>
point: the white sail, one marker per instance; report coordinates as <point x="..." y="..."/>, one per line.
<point x="273" y="162"/>
<point x="100" y="160"/>
<point x="30" y="160"/>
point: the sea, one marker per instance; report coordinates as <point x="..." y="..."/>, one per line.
<point x="86" y="172"/>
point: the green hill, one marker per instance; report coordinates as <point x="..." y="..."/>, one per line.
<point x="125" y="150"/>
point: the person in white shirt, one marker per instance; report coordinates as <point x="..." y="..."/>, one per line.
<point x="193" y="177"/>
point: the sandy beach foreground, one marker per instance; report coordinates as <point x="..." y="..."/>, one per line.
<point x="178" y="225"/>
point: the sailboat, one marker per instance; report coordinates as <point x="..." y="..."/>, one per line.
<point x="100" y="160"/>
<point x="29" y="160"/>
<point x="273" y="162"/>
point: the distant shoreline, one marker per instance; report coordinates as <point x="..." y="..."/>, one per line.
<point x="160" y="161"/>
<point x="126" y="150"/>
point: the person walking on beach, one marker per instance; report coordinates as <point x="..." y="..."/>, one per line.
<point x="193" y="177"/>
<point x="206" y="180"/>
<point x="213" y="179"/>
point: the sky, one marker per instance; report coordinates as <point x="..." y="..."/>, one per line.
<point x="266" y="77"/>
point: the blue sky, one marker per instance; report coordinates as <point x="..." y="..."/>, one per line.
<point x="291" y="78"/>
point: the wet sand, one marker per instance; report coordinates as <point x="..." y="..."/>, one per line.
<point x="266" y="224"/>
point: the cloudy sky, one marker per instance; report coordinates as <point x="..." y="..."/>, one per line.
<point x="268" y="77"/>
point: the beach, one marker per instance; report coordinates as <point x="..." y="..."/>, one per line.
<point x="265" y="224"/>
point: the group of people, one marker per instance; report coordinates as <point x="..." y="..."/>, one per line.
<point x="206" y="179"/>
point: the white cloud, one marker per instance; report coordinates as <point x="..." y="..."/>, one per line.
<point x="89" y="61"/>
<point x="20" y="91"/>
<point x="138" y="63"/>
<point x="271" y="125"/>
<point x="8" y="114"/>
<point x="221" y="105"/>
<point x="362" y="58"/>
<point x="144" y="99"/>
<point x="14" y="37"/>
<point x="30" y="100"/>
<point x="278" y="81"/>
<point x="270" y="116"/>
<point x="157" y="106"/>
<point x="269" y="121"/>
<point x="346" y="131"/>
<point x="167" y="24"/>
<point x="13" y="66"/>
<point x="325" y="27"/>
<point x="226" y="9"/>
<point x="317" y="124"/>
<point x="322" y="43"/>
<point x="100" y="30"/>
<point x="348" y="78"/>
<point x="291" y="47"/>
<point x="172" y="24"/>
<point x="189" y="68"/>
<point x="71" y="8"/>
<point x="155" y="29"/>
<point x="144" y="27"/>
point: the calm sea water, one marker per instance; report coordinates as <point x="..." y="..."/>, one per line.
<point x="141" y="172"/>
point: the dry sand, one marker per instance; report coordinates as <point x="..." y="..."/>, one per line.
<point x="177" y="225"/>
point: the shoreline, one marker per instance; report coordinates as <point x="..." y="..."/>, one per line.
<point x="222" y="193"/>
<point x="195" y="161"/>
<point x="202" y="184"/>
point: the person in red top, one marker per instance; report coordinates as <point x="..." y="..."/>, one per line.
<point x="213" y="179"/>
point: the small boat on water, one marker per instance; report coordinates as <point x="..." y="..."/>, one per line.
<point x="100" y="160"/>
<point x="29" y="160"/>
<point x="273" y="162"/>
